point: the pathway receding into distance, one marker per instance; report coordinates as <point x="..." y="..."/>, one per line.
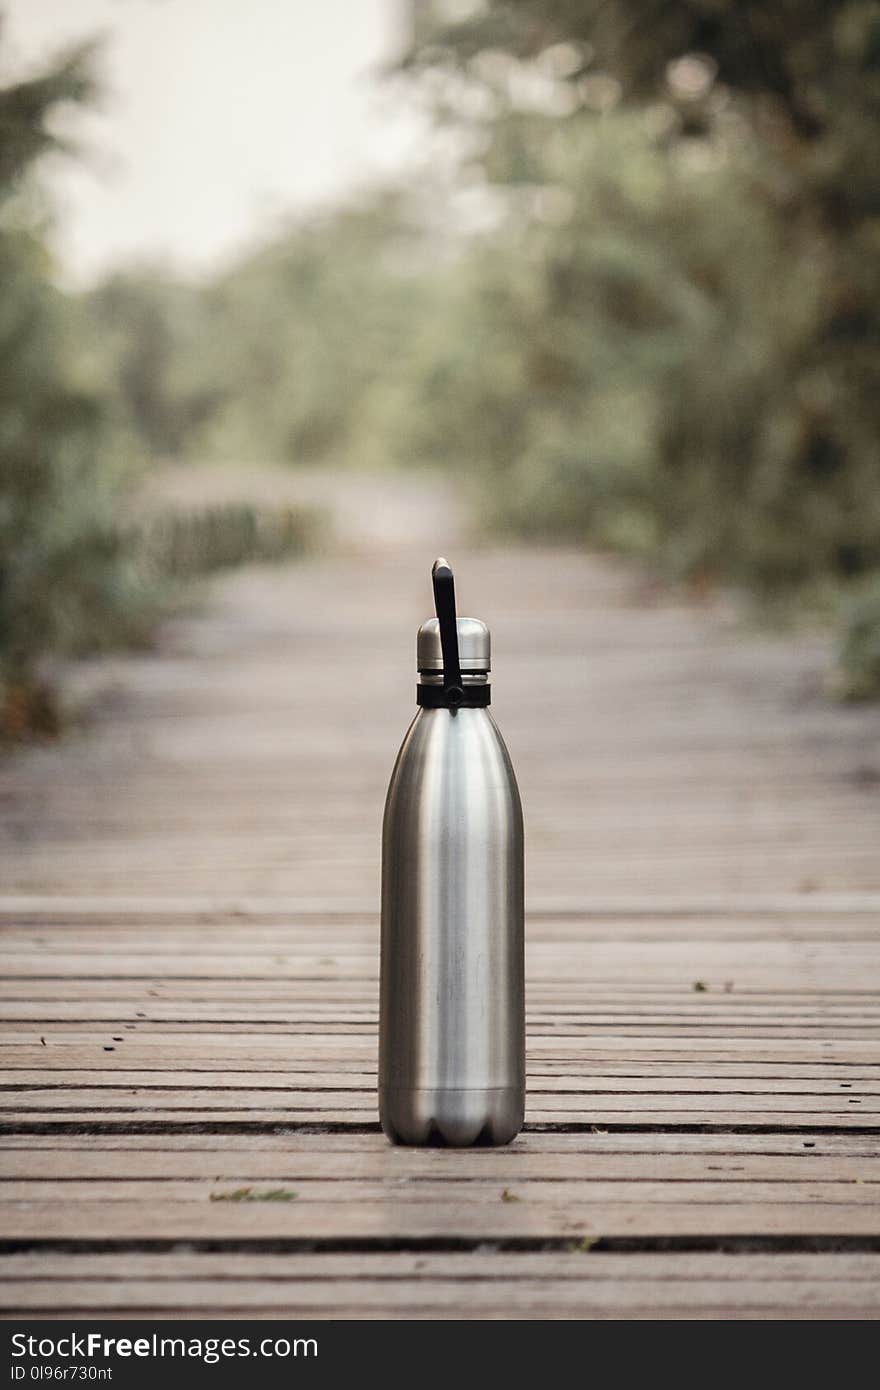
<point x="661" y="749"/>
<point x="189" y="924"/>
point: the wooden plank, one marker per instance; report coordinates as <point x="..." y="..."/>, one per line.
<point x="71" y="911"/>
<point x="279" y="1046"/>
<point x="354" y="1137"/>
<point x="508" y="1266"/>
<point x="485" y="1188"/>
<point x="356" y="1106"/>
<point x="161" y="1064"/>
<point x="328" y="998"/>
<point x="553" y="1139"/>
<point x="167" y="935"/>
<point x="316" y="1115"/>
<point x="401" y="1310"/>
<point x="525" y="1284"/>
<point x="465" y="1311"/>
<point x="229" y="1099"/>
<point x="395" y="1220"/>
<point x="61" y="1080"/>
<point x="628" y="960"/>
<point x="512" y="1166"/>
<point x="440" y="1298"/>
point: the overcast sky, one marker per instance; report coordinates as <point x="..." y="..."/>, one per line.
<point x="218" y="117"/>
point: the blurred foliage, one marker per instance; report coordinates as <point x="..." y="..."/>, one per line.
<point x="147" y="335"/>
<point x="655" y="329"/>
<point x="64" y="583"/>
<point x="287" y="356"/>
<point x="75" y="574"/>
<point x="858" y="675"/>
<point x="181" y="545"/>
<point x="679" y="344"/>
<point x="666" y="337"/>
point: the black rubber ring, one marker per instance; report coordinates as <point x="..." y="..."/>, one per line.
<point x="435" y="697"/>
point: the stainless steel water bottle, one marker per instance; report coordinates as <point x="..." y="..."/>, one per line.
<point x="452" y="1025"/>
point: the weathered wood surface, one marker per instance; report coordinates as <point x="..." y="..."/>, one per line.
<point x="188" y="1014"/>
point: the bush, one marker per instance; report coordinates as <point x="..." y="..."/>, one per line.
<point x="672" y="345"/>
<point x="858" y="675"/>
<point x="75" y="576"/>
<point x="281" y="358"/>
<point x="177" y="546"/>
<point x="65" y="584"/>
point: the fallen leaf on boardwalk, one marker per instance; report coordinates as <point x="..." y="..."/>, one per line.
<point x="247" y="1194"/>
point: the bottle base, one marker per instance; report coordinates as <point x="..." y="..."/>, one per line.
<point x="456" y="1118"/>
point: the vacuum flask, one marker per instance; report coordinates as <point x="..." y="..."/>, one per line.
<point x="452" y="1013"/>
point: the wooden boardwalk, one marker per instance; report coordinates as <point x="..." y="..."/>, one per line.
<point x="188" y="1029"/>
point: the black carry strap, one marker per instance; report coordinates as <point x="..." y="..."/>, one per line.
<point x="444" y="602"/>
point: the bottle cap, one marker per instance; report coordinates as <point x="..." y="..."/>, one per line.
<point x="474" y="645"/>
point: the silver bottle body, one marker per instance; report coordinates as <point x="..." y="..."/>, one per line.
<point x="452" y="1010"/>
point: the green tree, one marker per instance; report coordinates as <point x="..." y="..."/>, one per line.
<point x="62" y="581"/>
<point x="691" y="212"/>
<point x="306" y="336"/>
<point x="150" y="338"/>
<point x="292" y="355"/>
